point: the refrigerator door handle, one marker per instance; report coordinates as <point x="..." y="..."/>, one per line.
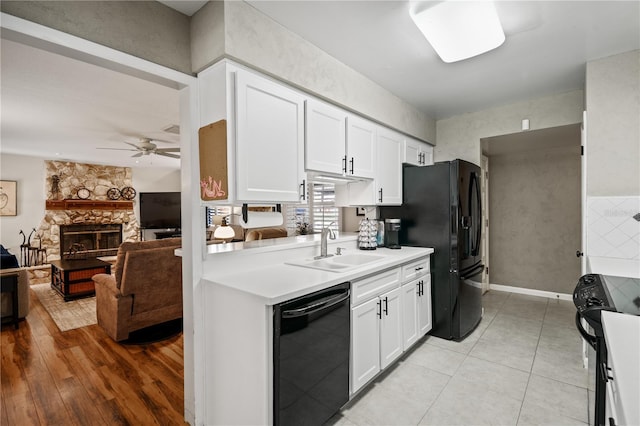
<point x="472" y="272"/>
<point x="475" y="222"/>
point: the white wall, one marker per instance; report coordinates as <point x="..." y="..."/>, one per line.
<point x="154" y="179"/>
<point x="613" y="125"/>
<point x="459" y="136"/>
<point x="29" y="172"/>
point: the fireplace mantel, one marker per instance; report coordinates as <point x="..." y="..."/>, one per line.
<point x="88" y="205"/>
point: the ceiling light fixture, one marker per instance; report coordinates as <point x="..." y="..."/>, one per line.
<point x="458" y="30"/>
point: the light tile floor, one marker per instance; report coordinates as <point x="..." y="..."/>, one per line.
<point x="521" y="366"/>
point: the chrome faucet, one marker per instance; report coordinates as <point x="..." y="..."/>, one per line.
<point x="326" y="232"/>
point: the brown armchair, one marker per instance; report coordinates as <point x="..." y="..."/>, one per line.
<point x="146" y="289"/>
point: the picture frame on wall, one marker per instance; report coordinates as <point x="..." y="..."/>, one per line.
<point x="361" y="211"/>
<point x="8" y="198"/>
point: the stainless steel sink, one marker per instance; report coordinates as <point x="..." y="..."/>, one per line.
<point x="340" y="263"/>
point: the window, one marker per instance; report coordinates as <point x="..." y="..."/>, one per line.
<point x="212" y="211"/>
<point x="321" y="211"/>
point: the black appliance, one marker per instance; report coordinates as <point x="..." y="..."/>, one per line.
<point x="160" y="210"/>
<point x="441" y="208"/>
<point x="311" y="340"/>
<point x="392" y="233"/>
<point x="593" y="294"/>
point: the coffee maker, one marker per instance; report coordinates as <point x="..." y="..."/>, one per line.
<point x="392" y="233"/>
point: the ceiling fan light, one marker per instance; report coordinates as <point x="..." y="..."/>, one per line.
<point x="459" y="30"/>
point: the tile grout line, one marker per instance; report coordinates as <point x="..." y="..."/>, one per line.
<point x="533" y="362"/>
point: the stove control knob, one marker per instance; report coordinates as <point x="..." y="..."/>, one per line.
<point x="593" y="301"/>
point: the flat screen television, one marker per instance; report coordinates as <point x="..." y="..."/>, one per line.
<point x="160" y="210"/>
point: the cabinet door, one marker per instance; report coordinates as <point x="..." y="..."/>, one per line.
<point x="425" y="321"/>
<point x="365" y="343"/>
<point x="325" y="138"/>
<point x="411" y="152"/>
<point x="409" y="314"/>
<point x="269" y="140"/>
<point x="390" y="327"/>
<point x="361" y="147"/>
<point x="389" y="168"/>
<point x="427" y="155"/>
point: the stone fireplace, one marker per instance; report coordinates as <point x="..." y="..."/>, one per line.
<point x="63" y="179"/>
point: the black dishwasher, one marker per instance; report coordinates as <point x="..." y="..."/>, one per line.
<point x="311" y="339"/>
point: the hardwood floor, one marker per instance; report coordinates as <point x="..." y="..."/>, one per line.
<point x="82" y="377"/>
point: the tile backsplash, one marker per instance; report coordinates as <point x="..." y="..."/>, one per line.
<point x="612" y="230"/>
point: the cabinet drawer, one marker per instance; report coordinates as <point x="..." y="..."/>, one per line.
<point x="415" y="269"/>
<point x="374" y="285"/>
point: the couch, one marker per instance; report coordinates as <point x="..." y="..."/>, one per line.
<point x="8" y="266"/>
<point x="146" y="288"/>
<point x="250" y="234"/>
<point x="23" y="293"/>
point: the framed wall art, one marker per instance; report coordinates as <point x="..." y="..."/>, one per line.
<point x="8" y="198"/>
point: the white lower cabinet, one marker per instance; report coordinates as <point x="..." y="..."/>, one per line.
<point x="365" y="338"/>
<point x="376" y="337"/>
<point x="425" y="316"/>
<point x="409" y="314"/>
<point x="388" y="317"/>
<point x="390" y="327"/>
<point x="416" y="310"/>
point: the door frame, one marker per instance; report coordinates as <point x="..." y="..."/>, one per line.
<point x="193" y="248"/>
<point x="485" y="222"/>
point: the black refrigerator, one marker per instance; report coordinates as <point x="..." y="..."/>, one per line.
<point x="441" y="208"/>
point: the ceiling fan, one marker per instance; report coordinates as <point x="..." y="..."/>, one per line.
<point x="146" y="147"/>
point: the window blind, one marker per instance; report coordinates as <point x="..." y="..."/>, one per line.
<point x="319" y="213"/>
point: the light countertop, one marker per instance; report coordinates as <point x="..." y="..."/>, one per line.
<point x="613" y="266"/>
<point x="280" y="282"/>
<point x="622" y="333"/>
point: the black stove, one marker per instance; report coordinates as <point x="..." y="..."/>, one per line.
<point x="593" y="294"/>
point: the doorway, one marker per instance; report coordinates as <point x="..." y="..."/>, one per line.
<point x="36" y="36"/>
<point x="535" y="204"/>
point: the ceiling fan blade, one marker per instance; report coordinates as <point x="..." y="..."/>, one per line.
<point x="119" y="149"/>
<point x="165" y="154"/>
<point x="140" y="154"/>
<point x="160" y="140"/>
<point x="132" y="144"/>
<point x="167" y="149"/>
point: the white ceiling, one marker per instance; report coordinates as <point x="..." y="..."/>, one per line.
<point x="57" y="107"/>
<point x="547" y="46"/>
<point x="60" y="108"/>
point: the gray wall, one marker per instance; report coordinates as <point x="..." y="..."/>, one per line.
<point x="256" y="40"/>
<point x="534" y="211"/>
<point x="459" y="136"/>
<point x="613" y="125"/>
<point x="146" y="29"/>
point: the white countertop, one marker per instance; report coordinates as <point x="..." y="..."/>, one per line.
<point x="622" y="333"/>
<point x="613" y="266"/>
<point x="280" y="282"/>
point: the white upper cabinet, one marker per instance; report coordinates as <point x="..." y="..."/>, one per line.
<point x="416" y="152"/>
<point x="325" y="138"/>
<point x="386" y="188"/>
<point x="389" y="168"/>
<point x="337" y="142"/>
<point x="269" y="140"/>
<point x="361" y="147"/>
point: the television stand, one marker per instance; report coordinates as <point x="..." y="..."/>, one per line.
<point x="160" y="235"/>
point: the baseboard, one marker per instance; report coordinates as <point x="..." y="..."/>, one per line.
<point x="530" y="292"/>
